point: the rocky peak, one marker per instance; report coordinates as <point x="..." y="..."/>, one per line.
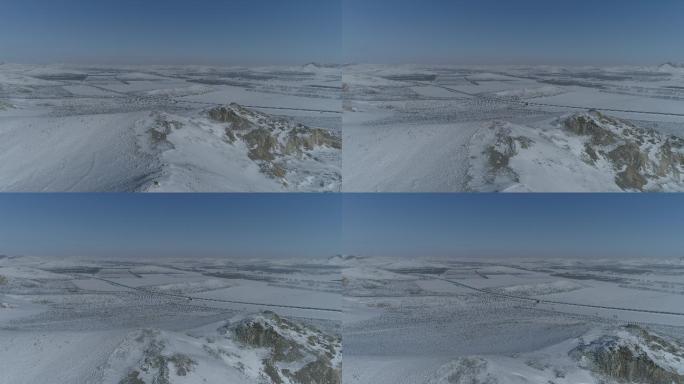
<point x="639" y="156"/>
<point x="634" y="355"/>
<point x="272" y="142"/>
<point x="287" y="342"/>
<point x="234" y="114"/>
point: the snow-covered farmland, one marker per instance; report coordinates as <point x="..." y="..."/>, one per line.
<point x="147" y="128"/>
<point x="419" y="128"/>
<point x="169" y="321"/>
<point x="534" y="321"/>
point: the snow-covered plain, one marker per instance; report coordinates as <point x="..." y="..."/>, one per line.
<point x="413" y="128"/>
<point x="97" y="128"/>
<point x="418" y="321"/>
<point x="169" y="321"/>
<point x="535" y="321"/>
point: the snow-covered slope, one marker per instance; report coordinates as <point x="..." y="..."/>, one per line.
<point x="160" y="151"/>
<point x="411" y="128"/>
<point x="628" y="354"/>
<point x="259" y="348"/>
<point x="587" y="151"/>
<point x="297" y="156"/>
<point x="147" y="128"/>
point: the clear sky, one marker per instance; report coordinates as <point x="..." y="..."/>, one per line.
<point x="239" y="32"/>
<point x="514" y="31"/>
<point x="283" y="225"/>
<point x="547" y="225"/>
<point x="249" y="32"/>
<point x="181" y="225"/>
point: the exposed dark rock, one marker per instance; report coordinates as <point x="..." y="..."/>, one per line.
<point x="638" y="155"/>
<point x="271" y="371"/>
<point x="275" y="334"/>
<point x="265" y="335"/>
<point x="631" y="366"/>
<point x="261" y="144"/>
<point x="162" y="128"/>
<point x="230" y="136"/>
<point x="500" y="153"/>
<point x="626" y="362"/>
<point x="318" y="372"/>
<point x="270" y="138"/>
<point x="183" y="363"/>
<point x="132" y="378"/>
<point x="632" y="160"/>
<point x="156" y="363"/>
<point x="229" y="115"/>
<point x="670" y="161"/>
<point x="303" y="138"/>
<point x="585" y="126"/>
<point x="589" y="150"/>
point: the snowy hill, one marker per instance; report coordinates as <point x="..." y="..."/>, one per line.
<point x="628" y="354"/>
<point x="147" y="128"/>
<point x="455" y="128"/>
<point x="292" y="153"/>
<point x="671" y="67"/>
<point x="260" y="348"/>
<point x="161" y="151"/>
<point x="587" y="151"/>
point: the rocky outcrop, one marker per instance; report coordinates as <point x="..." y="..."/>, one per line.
<point x="633" y="162"/>
<point x="287" y="343"/>
<point x="643" y="159"/>
<point x="632" y="356"/>
<point x="273" y="143"/>
<point x="229" y="115"/>
<point x="586" y="125"/>
<point x="499" y="151"/>
<point x="586" y="151"/>
<point x="162" y="127"/>
<point x="156" y="365"/>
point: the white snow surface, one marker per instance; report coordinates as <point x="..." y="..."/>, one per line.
<point x="68" y="128"/>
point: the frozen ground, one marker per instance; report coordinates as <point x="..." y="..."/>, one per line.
<point x="172" y="321"/>
<point x="513" y="321"/>
<point x="125" y="128"/>
<point x="447" y="128"/>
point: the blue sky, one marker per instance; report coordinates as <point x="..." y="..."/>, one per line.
<point x="546" y="225"/>
<point x="171" y="31"/>
<point x="233" y="225"/>
<point x="247" y="32"/>
<point x="111" y="225"/>
<point x="514" y="31"/>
